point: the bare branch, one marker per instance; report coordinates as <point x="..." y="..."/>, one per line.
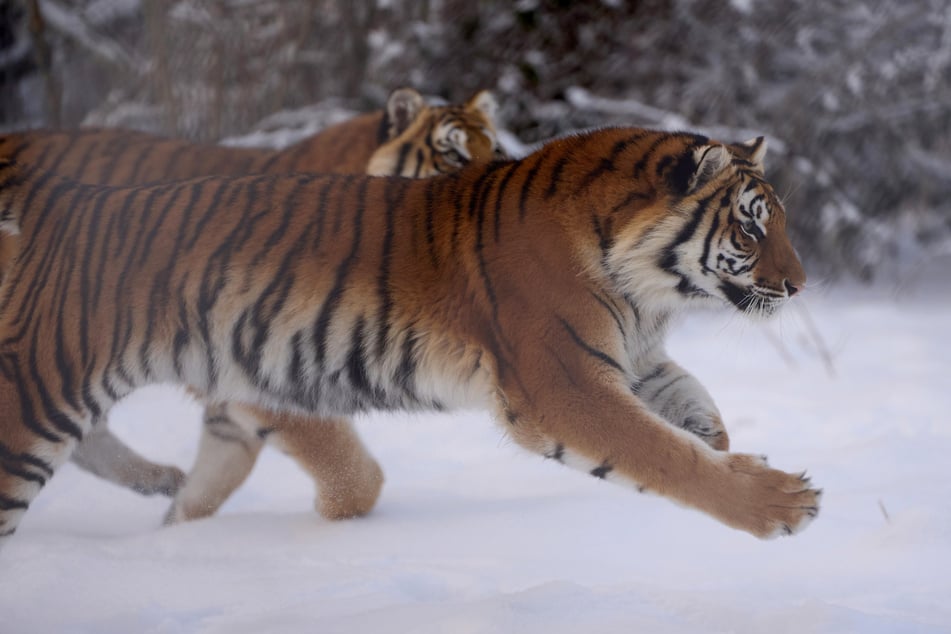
<point x="817" y="339"/>
<point x="44" y="59"/>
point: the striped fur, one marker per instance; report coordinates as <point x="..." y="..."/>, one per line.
<point x="408" y="137"/>
<point x="539" y="289"/>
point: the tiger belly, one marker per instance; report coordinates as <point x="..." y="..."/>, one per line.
<point x="356" y="367"/>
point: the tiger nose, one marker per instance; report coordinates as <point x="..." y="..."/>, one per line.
<point x="791" y="288"/>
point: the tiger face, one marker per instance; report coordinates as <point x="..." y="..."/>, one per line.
<point x="430" y="140"/>
<point x="733" y="246"/>
<point x="757" y="264"/>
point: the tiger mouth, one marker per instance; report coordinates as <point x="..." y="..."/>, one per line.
<point x="752" y="300"/>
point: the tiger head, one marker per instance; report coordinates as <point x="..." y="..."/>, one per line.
<point x="726" y="238"/>
<point x="740" y="251"/>
<point x="426" y="140"/>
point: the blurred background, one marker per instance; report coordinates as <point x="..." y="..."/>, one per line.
<point x="854" y="95"/>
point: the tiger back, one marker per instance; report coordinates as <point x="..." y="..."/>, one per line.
<point x="539" y="289"/>
<point x="407" y="138"/>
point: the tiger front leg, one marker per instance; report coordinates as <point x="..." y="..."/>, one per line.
<point x="675" y="395"/>
<point x="103" y="454"/>
<point x="581" y="412"/>
<point x="227" y="452"/>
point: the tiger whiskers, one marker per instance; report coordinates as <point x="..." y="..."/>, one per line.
<point x="815" y="335"/>
<point x="760" y="304"/>
<point x="815" y="285"/>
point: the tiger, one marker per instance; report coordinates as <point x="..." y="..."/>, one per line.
<point x="539" y="289"/>
<point x="408" y="138"/>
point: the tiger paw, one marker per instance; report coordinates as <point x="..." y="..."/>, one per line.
<point x="352" y="493"/>
<point x="164" y="480"/>
<point x="766" y="502"/>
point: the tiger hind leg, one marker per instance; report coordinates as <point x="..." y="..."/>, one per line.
<point x="227" y="452"/>
<point x="103" y="454"/>
<point x="31" y="446"/>
<point x="348" y="478"/>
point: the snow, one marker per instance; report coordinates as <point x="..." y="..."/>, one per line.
<point x="584" y="100"/>
<point x="473" y="535"/>
<point x="512" y="145"/>
<point x="633" y="111"/>
<point x="101" y="13"/>
<point x="286" y="127"/>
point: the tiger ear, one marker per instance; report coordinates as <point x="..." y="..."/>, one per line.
<point x="754" y="151"/>
<point x="484" y="101"/>
<point x="697" y="166"/>
<point x="402" y="108"/>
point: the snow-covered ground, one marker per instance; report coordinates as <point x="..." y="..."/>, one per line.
<point x="472" y="534"/>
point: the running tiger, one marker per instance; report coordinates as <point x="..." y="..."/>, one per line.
<point x="540" y="289"/>
<point x="408" y="138"/>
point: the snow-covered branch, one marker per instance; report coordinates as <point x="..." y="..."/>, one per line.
<point x="628" y="108"/>
<point x="639" y="113"/>
<point x="74" y="27"/>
